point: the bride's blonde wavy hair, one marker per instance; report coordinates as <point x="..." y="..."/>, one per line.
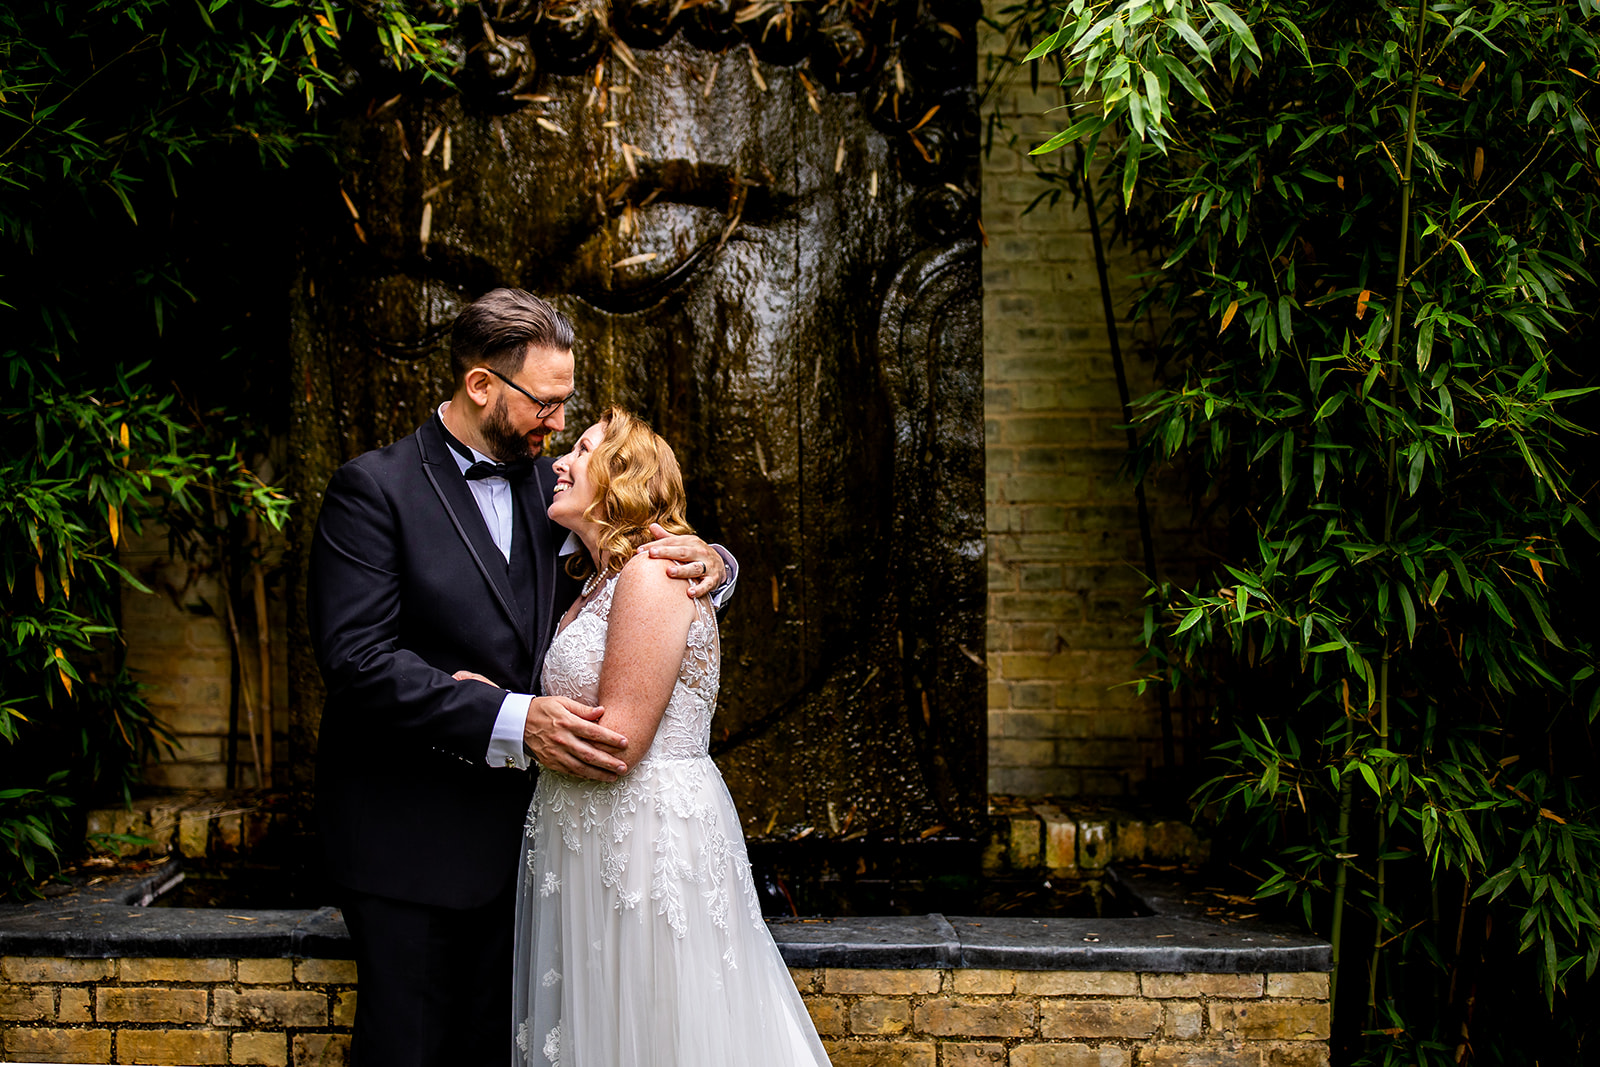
<point x="636" y="482"/>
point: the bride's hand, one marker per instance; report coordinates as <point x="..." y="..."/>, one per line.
<point x="566" y="736"/>
<point x="696" y="562"/>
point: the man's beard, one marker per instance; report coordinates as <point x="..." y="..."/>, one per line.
<point x="505" y="444"/>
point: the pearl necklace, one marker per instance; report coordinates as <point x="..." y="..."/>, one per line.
<point x="593" y="583"/>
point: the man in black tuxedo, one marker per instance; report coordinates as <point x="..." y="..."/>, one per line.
<point x="433" y="592"/>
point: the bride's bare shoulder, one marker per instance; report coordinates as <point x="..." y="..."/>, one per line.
<point x="645" y="584"/>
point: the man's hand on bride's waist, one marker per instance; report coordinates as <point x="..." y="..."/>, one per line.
<point x="566" y="736"/>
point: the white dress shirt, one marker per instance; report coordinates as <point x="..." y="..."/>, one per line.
<point x="493" y="496"/>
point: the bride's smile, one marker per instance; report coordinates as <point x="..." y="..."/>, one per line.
<point x="574" y="490"/>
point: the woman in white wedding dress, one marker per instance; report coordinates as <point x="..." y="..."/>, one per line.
<point x="640" y="941"/>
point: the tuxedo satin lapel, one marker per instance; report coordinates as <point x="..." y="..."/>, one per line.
<point x="533" y="498"/>
<point x="445" y="477"/>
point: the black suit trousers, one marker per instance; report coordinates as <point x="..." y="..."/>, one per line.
<point x="435" y="983"/>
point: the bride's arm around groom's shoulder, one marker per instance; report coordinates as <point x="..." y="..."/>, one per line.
<point x="646" y="632"/>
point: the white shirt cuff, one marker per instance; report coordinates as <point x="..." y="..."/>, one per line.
<point x="505" y="740"/>
<point x="722" y="593"/>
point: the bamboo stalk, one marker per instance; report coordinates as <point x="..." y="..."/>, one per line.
<point x="244" y="680"/>
<point x="233" y="634"/>
<point x="1379" y="926"/>
<point x="1391" y="490"/>
<point x="1335" y="933"/>
<point x="1169" y="758"/>
<point x="263" y="648"/>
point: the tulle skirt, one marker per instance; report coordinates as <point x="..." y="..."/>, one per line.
<point x="640" y="941"/>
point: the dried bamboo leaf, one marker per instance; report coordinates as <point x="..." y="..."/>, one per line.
<point x="624" y="53"/>
<point x="1227" y="317"/>
<point x="446" y="157"/>
<point x="838" y="158"/>
<point x="811" y="92"/>
<point x="932" y="111"/>
<point x="433" y="139"/>
<point x="427" y="222"/>
<point x="545" y="124"/>
<point x="633" y="261"/>
<point x="755" y="71"/>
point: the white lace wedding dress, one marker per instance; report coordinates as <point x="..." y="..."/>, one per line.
<point x="640" y="941"/>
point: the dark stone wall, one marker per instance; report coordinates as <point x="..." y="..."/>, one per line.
<point x="807" y="334"/>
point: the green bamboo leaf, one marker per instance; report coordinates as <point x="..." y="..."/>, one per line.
<point x="1046" y="45"/>
<point x="1189" y="620"/>
<point x="1195" y="41"/>
<point x="1082" y="128"/>
<point x="1190" y="83"/>
<point x="1577" y="515"/>
<point x="127" y="205"/>
<point x="1130" y="173"/>
<point x="1409" y="609"/>
<point x="1462" y="252"/>
<point x="1536" y="609"/>
<point x="1226" y="15"/>
<point x="1496" y="603"/>
<point x="1424" y="344"/>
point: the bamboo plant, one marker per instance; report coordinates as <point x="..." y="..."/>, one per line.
<point x="1369" y="229"/>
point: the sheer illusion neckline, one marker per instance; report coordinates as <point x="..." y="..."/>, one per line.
<point x="584" y="605"/>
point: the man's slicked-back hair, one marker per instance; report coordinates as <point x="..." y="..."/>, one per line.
<point x="499" y="327"/>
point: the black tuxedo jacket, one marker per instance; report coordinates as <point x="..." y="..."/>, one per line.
<point x="405" y="588"/>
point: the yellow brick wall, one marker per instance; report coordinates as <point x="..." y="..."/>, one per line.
<point x="1065" y="559"/>
<point x="964" y="1018"/>
<point x="281" y="1012"/>
<point x="179" y="648"/>
<point x="273" y="1012"/>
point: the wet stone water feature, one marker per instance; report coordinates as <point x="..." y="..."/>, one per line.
<point x="762" y="219"/>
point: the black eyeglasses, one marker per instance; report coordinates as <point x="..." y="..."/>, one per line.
<point x="546" y="407"/>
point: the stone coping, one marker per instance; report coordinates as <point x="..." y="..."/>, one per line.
<point x="111" y="923"/>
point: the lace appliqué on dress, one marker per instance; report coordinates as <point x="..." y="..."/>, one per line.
<point x="672" y="779"/>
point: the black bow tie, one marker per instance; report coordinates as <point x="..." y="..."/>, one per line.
<point x="513" y="471"/>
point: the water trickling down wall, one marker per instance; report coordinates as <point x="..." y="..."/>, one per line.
<point x="762" y="219"/>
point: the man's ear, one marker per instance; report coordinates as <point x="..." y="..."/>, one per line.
<point x="475" y="386"/>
